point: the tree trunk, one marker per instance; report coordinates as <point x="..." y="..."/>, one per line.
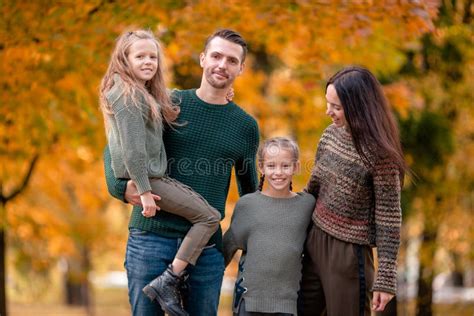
<point x="457" y="275"/>
<point x="424" y="298"/>
<point x="3" y="296"/>
<point x="3" y="272"/>
<point x="76" y="285"/>
<point x="76" y="282"/>
<point x="4" y="198"/>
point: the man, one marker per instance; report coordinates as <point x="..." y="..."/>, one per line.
<point x="216" y="136"/>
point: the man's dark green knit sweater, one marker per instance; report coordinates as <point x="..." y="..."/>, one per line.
<point x="201" y="154"/>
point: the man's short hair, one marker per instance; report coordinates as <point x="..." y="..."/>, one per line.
<point x="230" y="36"/>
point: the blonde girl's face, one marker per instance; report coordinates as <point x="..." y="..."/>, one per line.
<point x="278" y="166"/>
<point x="143" y="59"/>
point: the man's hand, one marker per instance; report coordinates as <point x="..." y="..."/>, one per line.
<point x="380" y="299"/>
<point x="132" y="196"/>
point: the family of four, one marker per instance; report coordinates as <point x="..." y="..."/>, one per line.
<point x="171" y="154"/>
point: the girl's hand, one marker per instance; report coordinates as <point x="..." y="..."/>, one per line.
<point x="148" y="203"/>
<point x="379" y="300"/>
<point x="230" y="94"/>
<point x="132" y="196"/>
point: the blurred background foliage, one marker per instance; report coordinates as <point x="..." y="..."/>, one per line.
<point x="58" y="224"/>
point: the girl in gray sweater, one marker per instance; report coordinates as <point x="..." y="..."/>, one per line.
<point x="269" y="226"/>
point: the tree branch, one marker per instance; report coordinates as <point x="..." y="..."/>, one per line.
<point x="466" y="19"/>
<point x="25" y="181"/>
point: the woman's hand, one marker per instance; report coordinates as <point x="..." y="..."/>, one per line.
<point x="149" y="204"/>
<point x="379" y="300"/>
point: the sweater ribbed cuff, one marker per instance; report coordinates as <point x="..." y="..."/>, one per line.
<point x="143" y="184"/>
<point x="385" y="286"/>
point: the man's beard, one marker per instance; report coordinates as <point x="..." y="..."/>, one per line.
<point x="217" y="84"/>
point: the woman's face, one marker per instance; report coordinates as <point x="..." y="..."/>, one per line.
<point x="334" y="107"/>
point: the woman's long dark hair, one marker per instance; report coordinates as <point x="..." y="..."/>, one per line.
<point x="370" y="121"/>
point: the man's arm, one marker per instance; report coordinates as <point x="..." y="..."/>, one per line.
<point x="121" y="189"/>
<point x="245" y="168"/>
<point x="116" y="187"/>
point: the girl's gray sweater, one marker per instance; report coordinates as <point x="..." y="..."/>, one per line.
<point x="135" y="139"/>
<point x="271" y="233"/>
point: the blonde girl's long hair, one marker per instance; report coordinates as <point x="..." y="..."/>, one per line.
<point x="154" y="90"/>
<point x="275" y="145"/>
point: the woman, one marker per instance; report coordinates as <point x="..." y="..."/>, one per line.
<point x="357" y="179"/>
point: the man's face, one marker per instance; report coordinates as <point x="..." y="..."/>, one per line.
<point x="222" y="62"/>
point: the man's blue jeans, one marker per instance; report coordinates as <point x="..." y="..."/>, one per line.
<point x="148" y="255"/>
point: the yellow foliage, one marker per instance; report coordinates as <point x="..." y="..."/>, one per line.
<point x="400" y="98"/>
<point x="55" y="53"/>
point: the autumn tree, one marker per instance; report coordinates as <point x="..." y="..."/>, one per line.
<point x="294" y="47"/>
<point x="54" y="54"/>
<point x="436" y="137"/>
<point x="71" y="222"/>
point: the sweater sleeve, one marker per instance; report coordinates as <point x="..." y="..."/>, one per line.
<point x="230" y="246"/>
<point x="116" y="187"/>
<point x="132" y="133"/>
<point x="388" y="220"/>
<point x="245" y="167"/>
<point x="313" y="185"/>
<point x="232" y="239"/>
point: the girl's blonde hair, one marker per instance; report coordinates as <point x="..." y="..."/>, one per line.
<point x="275" y="145"/>
<point x="154" y="90"/>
